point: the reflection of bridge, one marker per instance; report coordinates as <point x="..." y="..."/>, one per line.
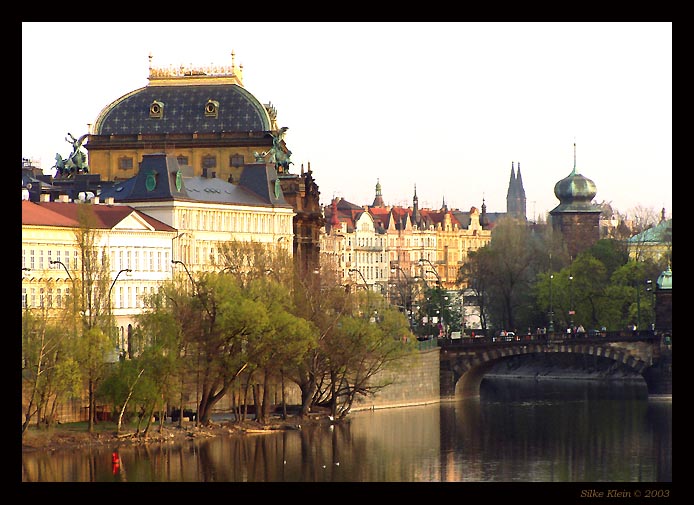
<point x="465" y="362"/>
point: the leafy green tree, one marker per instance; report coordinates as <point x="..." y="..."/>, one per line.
<point x="95" y="343"/>
<point x="50" y="373"/>
<point x="356" y="350"/>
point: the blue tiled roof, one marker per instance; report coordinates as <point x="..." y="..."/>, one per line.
<point x="183" y="111"/>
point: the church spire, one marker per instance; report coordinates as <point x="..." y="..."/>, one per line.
<point x="378" y="200"/>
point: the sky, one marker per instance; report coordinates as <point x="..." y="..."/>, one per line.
<point x="445" y="107"/>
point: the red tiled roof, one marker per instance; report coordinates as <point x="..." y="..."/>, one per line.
<point x="66" y="214"/>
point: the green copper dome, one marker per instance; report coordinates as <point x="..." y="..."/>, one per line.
<point x="665" y="279"/>
<point x="575" y="193"/>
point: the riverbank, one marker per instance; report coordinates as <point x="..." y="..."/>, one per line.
<point x="76" y="436"/>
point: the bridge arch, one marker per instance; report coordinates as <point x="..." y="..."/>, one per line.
<point x="467" y="367"/>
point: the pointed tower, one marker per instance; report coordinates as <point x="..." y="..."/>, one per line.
<point x="378" y="200"/>
<point x="415" y="208"/>
<point x="515" y="197"/>
<point x="484" y="219"/>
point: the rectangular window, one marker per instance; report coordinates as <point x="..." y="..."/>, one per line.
<point x="209" y="161"/>
<point x="236" y="160"/>
<point x="125" y="163"/>
<point x="24" y="298"/>
<point x="137" y="261"/>
<point x="182" y="160"/>
<point x="151" y="261"/>
<point x="32" y="265"/>
<point x="158" y="261"/>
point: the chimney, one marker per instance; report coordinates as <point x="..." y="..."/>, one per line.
<point x="109" y="200"/>
<point x="45" y="197"/>
<point x="204" y="172"/>
<point x="214" y="174"/>
<point x="64" y="198"/>
<point x="95" y="200"/>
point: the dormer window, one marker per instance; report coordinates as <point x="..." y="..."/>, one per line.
<point x="211" y="108"/>
<point x="156" y="110"/>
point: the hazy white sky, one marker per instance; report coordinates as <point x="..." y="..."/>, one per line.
<point x="443" y="106"/>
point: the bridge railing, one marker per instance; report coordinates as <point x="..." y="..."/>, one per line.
<point x="593" y="337"/>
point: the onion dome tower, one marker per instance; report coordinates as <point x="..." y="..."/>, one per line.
<point x="576" y="218"/>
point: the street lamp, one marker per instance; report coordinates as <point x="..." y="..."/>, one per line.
<point x="179" y="262"/>
<point x="366" y="284"/>
<point x="182" y="234"/>
<point x="197" y="372"/>
<point x="649" y="289"/>
<point x="110" y="309"/>
<point x="571" y="302"/>
<point x="551" y="307"/>
<point x="408" y="298"/>
<point x="72" y="280"/>
<point x="440" y="288"/>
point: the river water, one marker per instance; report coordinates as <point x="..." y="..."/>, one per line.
<point x="516" y="431"/>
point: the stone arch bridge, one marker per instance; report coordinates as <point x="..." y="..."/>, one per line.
<point x="464" y="363"/>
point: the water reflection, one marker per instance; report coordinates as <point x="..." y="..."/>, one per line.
<point x="531" y="432"/>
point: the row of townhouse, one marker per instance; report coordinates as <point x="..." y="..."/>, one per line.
<point x="379" y="245"/>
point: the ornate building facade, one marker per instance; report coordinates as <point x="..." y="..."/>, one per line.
<point x="206" y="120"/>
<point x="137" y="246"/>
<point x="401" y="244"/>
